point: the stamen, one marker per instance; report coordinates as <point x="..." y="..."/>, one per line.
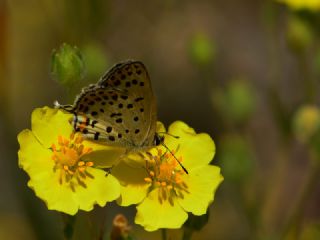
<point x="160" y="198"/>
<point x="81" y="182"/>
<point x="148" y="180"/>
<point x="86" y="151"/>
<point x="89" y="164"/>
<point x="67" y="158"/>
<point x="53" y="147"/>
<point x="80" y="149"/>
<point x="178" y="181"/>
<point x="180" y="195"/>
<point x="166" y="175"/>
<point x="184" y="184"/>
<point x="78" y="140"/>
<point x="72" y="186"/>
<point x="82" y="174"/>
<point x="163" y="193"/>
<point x="66" y="142"/>
<point x="171" y="200"/>
<point x="81" y="163"/>
<point x="72" y="135"/>
<point x="88" y="174"/>
<point x="60" y="140"/>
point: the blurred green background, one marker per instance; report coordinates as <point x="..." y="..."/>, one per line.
<point x="246" y="72"/>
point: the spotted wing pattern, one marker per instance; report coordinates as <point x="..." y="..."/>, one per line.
<point x="120" y="109"/>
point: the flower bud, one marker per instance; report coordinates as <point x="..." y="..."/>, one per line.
<point x="67" y="65"/>
<point x="236" y="102"/>
<point x="306" y="122"/>
<point x="299" y="34"/>
<point x="202" y="50"/>
<point x="120" y="228"/>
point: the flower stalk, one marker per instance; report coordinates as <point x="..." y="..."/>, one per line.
<point x="292" y="227"/>
<point x="68" y="228"/>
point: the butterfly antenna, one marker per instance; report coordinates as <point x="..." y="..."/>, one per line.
<point x="184" y="169"/>
<point x="67" y="108"/>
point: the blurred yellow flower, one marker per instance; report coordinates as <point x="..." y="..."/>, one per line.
<point x="306" y="122"/>
<point x="163" y="191"/>
<point x="312" y="5"/>
<point x="58" y="162"/>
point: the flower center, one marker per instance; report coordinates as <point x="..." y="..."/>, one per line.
<point x="67" y="157"/>
<point x="166" y="175"/>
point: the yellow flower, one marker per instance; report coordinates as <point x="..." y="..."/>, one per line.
<point x="306" y="122"/>
<point x="61" y="164"/>
<point x="163" y="191"/>
<point x="313" y="5"/>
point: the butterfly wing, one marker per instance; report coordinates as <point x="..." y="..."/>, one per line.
<point x="132" y="77"/>
<point x="120" y="109"/>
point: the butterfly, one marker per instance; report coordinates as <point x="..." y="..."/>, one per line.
<point x="120" y="109"/>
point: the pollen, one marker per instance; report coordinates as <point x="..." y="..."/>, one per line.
<point x="67" y="155"/>
<point x="148" y="180"/>
<point x="165" y="175"/>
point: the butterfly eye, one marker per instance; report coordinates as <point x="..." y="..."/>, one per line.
<point x="158" y="140"/>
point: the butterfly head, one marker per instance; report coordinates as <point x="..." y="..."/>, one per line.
<point x="158" y="140"/>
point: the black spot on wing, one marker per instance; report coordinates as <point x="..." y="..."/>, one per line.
<point x="96" y="136"/>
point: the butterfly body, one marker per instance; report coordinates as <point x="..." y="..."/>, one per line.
<point x="119" y="109"/>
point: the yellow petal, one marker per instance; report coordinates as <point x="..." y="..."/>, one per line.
<point x="202" y="184"/>
<point x="57" y="197"/>
<point x="312" y="5"/>
<point x="133" y="187"/>
<point x="196" y="149"/>
<point x="100" y="190"/>
<point x="132" y="194"/>
<point x="103" y="156"/>
<point x="152" y="215"/>
<point x="160" y="127"/>
<point x="60" y="197"/>
<point x="48" y="124"/>
<point x="33" y="157"/>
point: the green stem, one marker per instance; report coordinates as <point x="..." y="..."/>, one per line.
<point x="274" y="191"/>
<point x="247" y="210"/>
<point x="164" y="234"/>
<point x="68" y="228"/>
<point x="306" y="75"/>
<point x="293" y="223"/>
<point x="187" y="234"/>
